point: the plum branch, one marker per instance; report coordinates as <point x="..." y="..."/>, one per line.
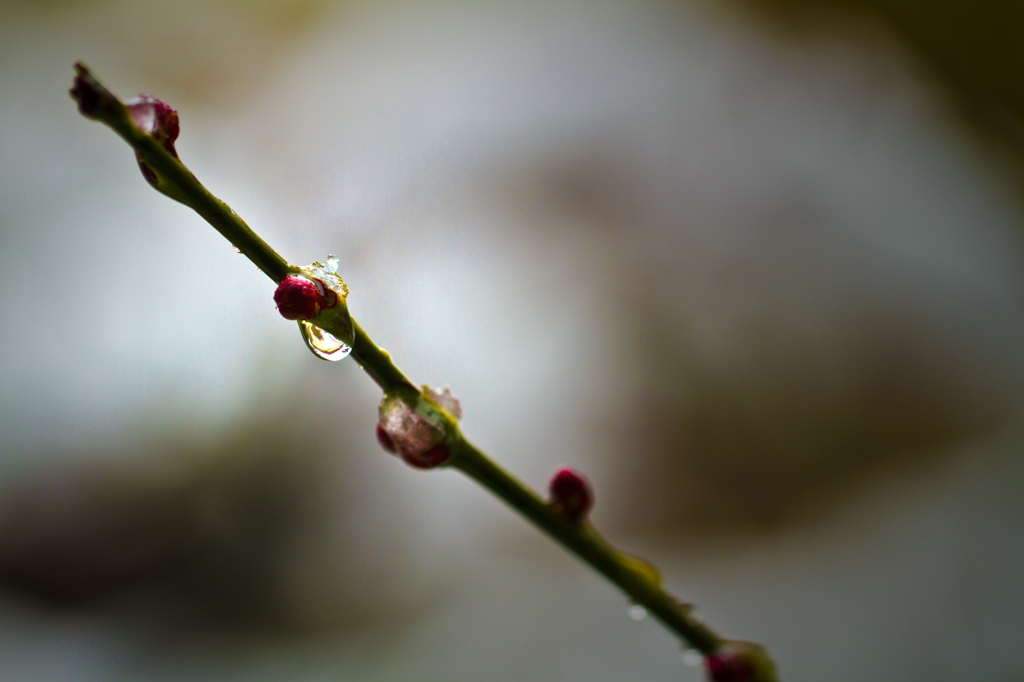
<point x="419" y="424"/>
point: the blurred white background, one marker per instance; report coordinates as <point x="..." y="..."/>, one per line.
<point x="759" y="281"/>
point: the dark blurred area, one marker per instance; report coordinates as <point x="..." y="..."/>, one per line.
<point x="755" y="267"/>
<point x="974" y="48"/>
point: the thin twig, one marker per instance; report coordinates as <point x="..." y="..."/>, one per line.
<point x="634" y="577"/>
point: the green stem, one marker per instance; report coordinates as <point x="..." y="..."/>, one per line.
<point x="377" y="363"/>
<point x="579" y="539"/>
<point x="583" y="541"/>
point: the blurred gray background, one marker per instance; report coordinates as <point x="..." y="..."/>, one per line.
<point x="756" y="269"/>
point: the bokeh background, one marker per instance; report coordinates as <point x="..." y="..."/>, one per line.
<point x="756" y="268"/>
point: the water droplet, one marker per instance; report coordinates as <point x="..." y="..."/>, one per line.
<point x="237" y="250"/>
<point x="322" y="344"/>
<point x="331" y="264"/>
<point x="692" y="657"/>
<point x="643" y="567"/>
<point x="637" y="612"/>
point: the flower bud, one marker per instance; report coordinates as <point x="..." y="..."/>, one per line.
<point x="737" y="661"/>
<point x="155" y="118"/>
<point x="419" y="441"/>
<point x="446" y="399"/>
<point x="303" y="298"/>
<point x="384" y="439"/>
<point x="571" y="496"/>
<point x="728" y="667"/>
<point x="433" y="457"/>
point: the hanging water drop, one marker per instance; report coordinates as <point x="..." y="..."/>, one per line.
<point x="692" y="657"/>
<point x="637" y="612"/>
<point x="323" y="344"/>
<point x="642" y="566"/>
<point x="237" y="250"/>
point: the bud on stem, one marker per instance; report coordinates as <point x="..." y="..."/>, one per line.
<point x="737" y="661"/>
<point x="571" y="496"/>
<point x="417" y="434"/>
<point x="303" y="298"/>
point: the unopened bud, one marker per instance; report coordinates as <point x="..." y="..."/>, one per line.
<point x="728" y="667"/>
<point x="737" y="661"/>
<point x="571" y="496"/>
<point x="155" y="118"/>
<point x="303" y="298"/>
<point x="419" y="441"/>
<point x="433" y="457"/>
<point x="384" y="439"/>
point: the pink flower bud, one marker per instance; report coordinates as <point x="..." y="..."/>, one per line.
<point x="571" y="497"/>
<point x="156" y="118"/>
<point x="415" y="438"/>
<point x="435" y="456"/>
<point x="302" y="298"/>
<point x="446" y="399"/>
<point x="385" y="440"/>
<point x="728" y="666"/>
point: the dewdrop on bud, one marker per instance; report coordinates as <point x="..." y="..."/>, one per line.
<point x="317" y="293"/>
<point x="571" y="496"/>
<point x="414" y="437"/>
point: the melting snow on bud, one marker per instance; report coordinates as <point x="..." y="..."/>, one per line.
<point x="327" y="272"/>
<point x="303" y="297"/>
<point x="446" y="399"/>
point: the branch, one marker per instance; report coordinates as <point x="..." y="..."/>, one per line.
<point x="421" y="425"/>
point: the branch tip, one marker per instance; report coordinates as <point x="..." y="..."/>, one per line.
<point x="94" y="99"/>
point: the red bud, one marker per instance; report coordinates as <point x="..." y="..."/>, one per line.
<point x="435" y="456"/>
<point x="571" y="496"/>
<point x="728" y="666"/>
<point x="384" y="439"/>
<point x="301" y="298"/>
